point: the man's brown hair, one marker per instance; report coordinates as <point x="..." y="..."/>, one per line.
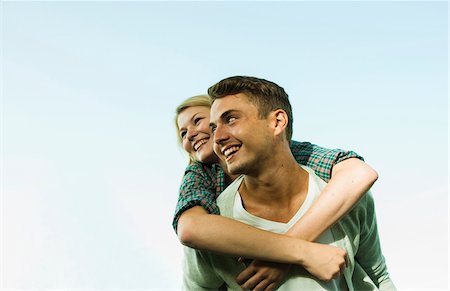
<point x="265" y="95"/>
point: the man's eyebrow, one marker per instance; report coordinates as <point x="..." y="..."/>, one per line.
<point x="228" y="112"/>
<point x="224" y="115"/>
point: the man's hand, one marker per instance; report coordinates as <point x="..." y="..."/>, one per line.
<point x="261" y="275"/>
<point x="324" y="261"/>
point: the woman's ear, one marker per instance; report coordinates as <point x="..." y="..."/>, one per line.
<point x="280" y="120"/>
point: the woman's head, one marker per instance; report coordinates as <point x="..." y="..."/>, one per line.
<point x="194" y="133"/>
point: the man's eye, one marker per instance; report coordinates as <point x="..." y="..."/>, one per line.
<point x="213" y="128"/>
<point x="231" y="119"/>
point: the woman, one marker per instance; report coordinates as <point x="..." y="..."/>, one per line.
<point x="206" y="177"/>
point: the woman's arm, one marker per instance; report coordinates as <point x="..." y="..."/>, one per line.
<point x="200" y="230"/>
<point x="350" y="180"/>
<point x="348" y="177"/>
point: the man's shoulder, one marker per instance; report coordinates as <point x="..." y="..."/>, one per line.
<point x="225" y="201"/>
<point x="314" y="178"/>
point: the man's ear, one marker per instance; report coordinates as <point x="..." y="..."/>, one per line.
<point x="280" y="120"/>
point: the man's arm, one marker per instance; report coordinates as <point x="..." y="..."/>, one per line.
<point x="198" y="272"/>
<point x="369" y="255"/>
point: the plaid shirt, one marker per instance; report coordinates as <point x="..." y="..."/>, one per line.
<point x="203" y="183"/>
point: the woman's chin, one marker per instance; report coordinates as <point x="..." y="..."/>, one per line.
<point x="207" y="158"/>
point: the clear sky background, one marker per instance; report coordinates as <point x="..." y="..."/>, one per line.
<point x="90" y="163"/>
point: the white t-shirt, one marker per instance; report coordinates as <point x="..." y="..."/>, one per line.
<point x="294" y="282"/>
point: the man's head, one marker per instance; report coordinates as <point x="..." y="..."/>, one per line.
<point x="265" y="95"/>
<point x="250" y="118"/>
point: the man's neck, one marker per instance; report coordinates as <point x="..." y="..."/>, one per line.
<point x="277" y="191"/>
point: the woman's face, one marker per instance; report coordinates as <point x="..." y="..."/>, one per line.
<point x="195" y="133"/>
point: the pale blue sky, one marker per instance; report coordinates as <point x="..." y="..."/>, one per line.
<point x="90" y="164"/>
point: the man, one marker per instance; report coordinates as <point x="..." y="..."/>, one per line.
<point x="252" y="123"/>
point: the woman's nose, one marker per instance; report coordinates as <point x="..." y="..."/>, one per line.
<point x="192" y="132"/>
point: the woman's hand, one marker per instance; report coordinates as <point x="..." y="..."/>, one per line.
<point x="325" y="262"/>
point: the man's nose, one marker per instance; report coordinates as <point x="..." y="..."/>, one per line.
<point x="220" y="134"/>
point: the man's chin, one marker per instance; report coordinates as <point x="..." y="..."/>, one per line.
<point x="235" y="170"/>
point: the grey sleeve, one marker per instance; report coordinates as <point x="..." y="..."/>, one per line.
<point x="198" y="272"/>
<point x="369" y="254"/>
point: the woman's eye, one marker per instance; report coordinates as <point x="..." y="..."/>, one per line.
<point x="197" y="120"/>
<point x="183" y="134"/>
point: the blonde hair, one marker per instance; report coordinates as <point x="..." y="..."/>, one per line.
<point x="198" y="100"/>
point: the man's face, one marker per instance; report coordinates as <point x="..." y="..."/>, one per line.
<point x="241" y="138"/>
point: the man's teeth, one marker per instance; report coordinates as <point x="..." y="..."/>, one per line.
<point x="230" y="151"/>
<point x="200" y="143"/>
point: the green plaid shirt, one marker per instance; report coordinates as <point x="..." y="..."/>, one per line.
<point x="202" y="183"/>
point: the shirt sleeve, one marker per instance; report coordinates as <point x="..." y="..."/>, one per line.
<point x="198" y="272"/>
<point x="320" y="159"/>
<point x="197" y="188"/>
<point x="369" y="254"/>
